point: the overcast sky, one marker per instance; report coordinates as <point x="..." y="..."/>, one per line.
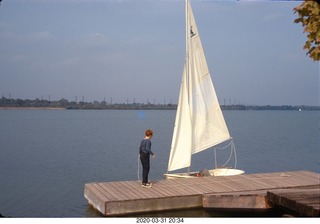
<point x="135" y="49"/>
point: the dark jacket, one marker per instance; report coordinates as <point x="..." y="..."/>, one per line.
<point x="145" y="147"/>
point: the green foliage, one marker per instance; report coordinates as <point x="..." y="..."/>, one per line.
<point x="309" y="17"/>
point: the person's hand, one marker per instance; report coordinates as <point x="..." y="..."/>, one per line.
<point x="153" y="156"/>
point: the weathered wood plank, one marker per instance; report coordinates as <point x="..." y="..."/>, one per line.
<point x="217" y="187"/>
<point x="307" y="175"/>
<point x="242" y="201"/>
<point x="170" y="191"/>
<point x="193" y="189"/>
<point x="303" y="201"/>
<point x="95" y="197"/>
<point x="105" y="193"/>
<point x="140" y="192"/>
<point x="108" y="190"/>
<point x="152" y="205"/>
<point x="136" y="187"/>
<point x="243" y="191"/>
<point x="109" y="187"/>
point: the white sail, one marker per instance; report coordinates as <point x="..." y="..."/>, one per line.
<point x="199" y="120"/>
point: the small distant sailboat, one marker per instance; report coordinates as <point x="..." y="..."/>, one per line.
<point x="199" y="123"/>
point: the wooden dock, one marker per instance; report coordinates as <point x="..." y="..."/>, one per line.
<point x="304" y="202"/>
<point x="252" y="191"/>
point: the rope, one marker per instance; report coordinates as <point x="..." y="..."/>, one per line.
<point x="235" y="156"/>
<point x="225" y="146"/>
<point x="138" y="167"/>
<point x="232" y="151"/>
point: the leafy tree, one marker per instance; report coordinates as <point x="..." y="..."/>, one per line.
<point x="309" y="17"/>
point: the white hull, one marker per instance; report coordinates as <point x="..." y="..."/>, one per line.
<point x="213" y="172"/>
<point x="226" y="172"/>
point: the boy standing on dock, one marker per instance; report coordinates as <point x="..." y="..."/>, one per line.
<point x="144" y="152"/>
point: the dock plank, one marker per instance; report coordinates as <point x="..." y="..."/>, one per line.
<point x="96" y="197"/>
<point x="131" y="190"/>
<point x="142" y="192"/>
<point x="303" y="201"/>
<point x="108" y="187"/>
<point x="112" y="196"/>
<point x="247" y="190"/>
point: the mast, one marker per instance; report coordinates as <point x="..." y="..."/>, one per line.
<point x="187" y="67"/>
<point x="186" y="20"/>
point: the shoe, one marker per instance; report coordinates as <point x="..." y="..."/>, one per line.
<point x="147" y="185"/>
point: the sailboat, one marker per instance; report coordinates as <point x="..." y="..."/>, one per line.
<point x="199" y="123"/>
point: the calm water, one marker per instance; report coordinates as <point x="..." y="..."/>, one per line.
<point x="47" y="156"/>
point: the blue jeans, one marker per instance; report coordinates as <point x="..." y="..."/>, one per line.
<point x="145" y="161"/>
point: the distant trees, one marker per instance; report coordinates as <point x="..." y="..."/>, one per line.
<point x="9" y="102"/>
<point x="65" y="104"/>
<point x="309" y="17"/>
<point x="82" y="105"/>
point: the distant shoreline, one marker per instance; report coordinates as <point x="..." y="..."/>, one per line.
<point x="165" y="107"/>
<point x="64" y="104"/>
<point x="32" y="108"/>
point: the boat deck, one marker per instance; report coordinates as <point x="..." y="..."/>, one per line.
<point x="242" y="191"/>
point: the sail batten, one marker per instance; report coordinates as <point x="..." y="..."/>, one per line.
<point x="199" y="122"/>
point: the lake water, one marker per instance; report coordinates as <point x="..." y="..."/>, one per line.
<point x="46" y="156"/>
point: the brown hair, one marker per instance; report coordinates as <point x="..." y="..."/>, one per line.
<point x="149" y="132"/>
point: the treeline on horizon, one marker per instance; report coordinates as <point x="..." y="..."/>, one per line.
<point x="82" y="105"/>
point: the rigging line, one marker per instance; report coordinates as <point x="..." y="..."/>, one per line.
<point x="230" y="156"/>
<point x="138" y="167"/>
<point x="232" y="150"/>
<point x="224" y="146"/>
<point x="235" y="155"/>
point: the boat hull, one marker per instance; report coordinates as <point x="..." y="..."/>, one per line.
<point x="225" y="172"/>
<point x="213" y="172"/>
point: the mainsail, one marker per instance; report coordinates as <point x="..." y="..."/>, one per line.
<point x="199" y="122"/>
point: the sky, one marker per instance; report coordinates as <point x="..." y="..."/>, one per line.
<point x="134" y="50"/>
